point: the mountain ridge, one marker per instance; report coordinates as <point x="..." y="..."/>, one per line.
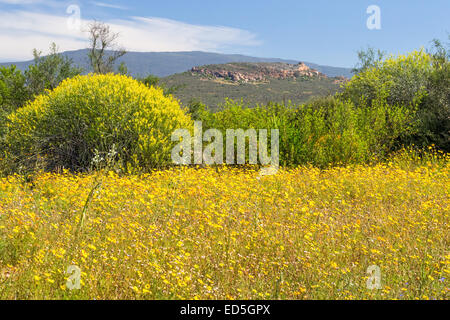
<point x="163" y="64"/>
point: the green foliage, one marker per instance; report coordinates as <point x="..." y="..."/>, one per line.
<point x="48" y="72"/>
<point x="86" y="116"/>
<point x="434" y="110"/>
<point x="198" y="111"/>
<point x="399" y="80"/>
<point x="368" y="59"/>
<point x="418" y="81"/>
<point x="16" y="88"/>
<point x="152" y="80"/>
<point x="13" y="94"/>
<point x="122" y="69"/>
<point x="326" y="131"/>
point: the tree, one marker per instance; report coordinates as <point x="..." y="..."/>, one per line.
<point x="400" y="80"/>
<point x="367" y="59"/>
<point x="48" y="72"/>
<point x="154" y="81"/>
<point x="434" y="112"/>
<point x="104" y="51"/>
<point x="13" y="91"/>
<point x="13" y="94"/>
<point x="122" y="69"/>
<point x="419" y="81"/>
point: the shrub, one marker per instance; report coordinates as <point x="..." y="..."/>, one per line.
<point x="46" y="73"/>
<point x="87" y="115"/>
<point x="419" y="81"/>
<point x="13" y="93"/>
<point x="338" y="132"/>
<point x="398" y="79"/>
<point x="236" y="115"/>
<point x="434" y="110"/>
<point x="326" y="131"/>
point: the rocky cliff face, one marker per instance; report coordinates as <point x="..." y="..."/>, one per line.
<point x="256" y="72"/>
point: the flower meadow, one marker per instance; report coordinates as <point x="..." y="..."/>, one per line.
<point x="229" y="233"/>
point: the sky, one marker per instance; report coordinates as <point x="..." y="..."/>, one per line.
<point x="326" y="32"/>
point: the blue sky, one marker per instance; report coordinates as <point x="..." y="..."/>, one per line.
<point x="321" y="31"/>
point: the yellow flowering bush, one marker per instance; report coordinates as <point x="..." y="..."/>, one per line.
<point x="85" y="114"/>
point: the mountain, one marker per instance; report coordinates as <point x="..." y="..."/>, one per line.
<point x="253" y="82"/>
<point x="212" y="77"/>
<point x="163" y="64"/>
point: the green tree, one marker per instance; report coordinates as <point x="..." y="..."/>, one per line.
<point x="13" y="90"/>
<point x="434" y="110"/>
<point x="397" y="79"/>
<point x="154" y="81"/>
<point x="13" y="93"/>
<point x="419" y="81"/>
<point x="367" y="59"/>
<point x="48" y="72"/>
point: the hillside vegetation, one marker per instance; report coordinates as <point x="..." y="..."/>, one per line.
<point x="253" y="83"/>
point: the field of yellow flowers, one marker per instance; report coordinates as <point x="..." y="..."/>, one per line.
<point x="226" y="233"/>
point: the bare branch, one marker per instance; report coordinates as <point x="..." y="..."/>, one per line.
<point x="104" y="51"/>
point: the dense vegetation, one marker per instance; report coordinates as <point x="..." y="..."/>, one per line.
<point x="310" y="231"/>
<point x="88" y="116"/>
<point x="399" y="101"/>
<point x="390" y="103"/>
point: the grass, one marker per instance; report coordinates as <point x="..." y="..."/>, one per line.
<point x="226" y="233"/>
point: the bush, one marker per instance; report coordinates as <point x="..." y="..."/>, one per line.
<point x="398" y="79"/>
<point x="236" y="115"/>
<point x="13" y="93"/>
<point x="326" y="131"/>
<point x="87" y="115"/>
<point x="419" y="81"/>
<point x="338" y="132"/>
<point x="46" y="73"/>
<point x="434" y="110"/>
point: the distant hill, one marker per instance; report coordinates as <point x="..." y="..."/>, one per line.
<point x="254" y="83"/>
<point x="163" y="64"/>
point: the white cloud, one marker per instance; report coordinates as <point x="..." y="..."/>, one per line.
<point x="158" y="34"/>
<point x="20" y="1"/>
<point x="108" y="5"/>
<point x="21" y="31"/>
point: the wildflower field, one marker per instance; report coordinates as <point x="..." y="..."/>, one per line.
<point x="227" y="233"/>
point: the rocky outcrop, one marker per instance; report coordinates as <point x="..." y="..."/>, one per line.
<point x="256" y="72"/>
